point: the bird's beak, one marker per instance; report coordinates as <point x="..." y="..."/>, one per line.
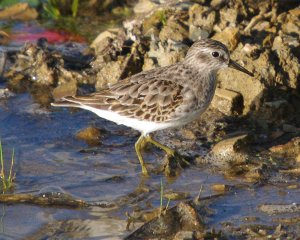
<point x="237" y="66"/>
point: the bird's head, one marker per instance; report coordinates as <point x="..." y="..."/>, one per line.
<point x="211" y="55"/>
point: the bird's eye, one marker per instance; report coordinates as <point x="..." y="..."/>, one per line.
<point x="215" y="54"/>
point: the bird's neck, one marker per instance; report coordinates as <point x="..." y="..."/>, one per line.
<point x="208" y="85"/>
<point x="204" y="86"/>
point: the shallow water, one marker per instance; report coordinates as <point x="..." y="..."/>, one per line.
<point x="48" y="156"/>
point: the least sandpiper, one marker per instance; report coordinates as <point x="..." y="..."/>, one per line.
<point x="163" y="97"/>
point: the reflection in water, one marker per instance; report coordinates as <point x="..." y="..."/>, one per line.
<point x="100" y="227"/>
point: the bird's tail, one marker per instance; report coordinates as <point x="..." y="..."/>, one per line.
<point x="65" y="102"/>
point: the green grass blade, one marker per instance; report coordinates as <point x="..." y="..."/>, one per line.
<point x="2" y="168"/>
<point x="10" y="176"/>
<point x="75" y="8"/>
<point x="2" y="161"/>
<point x="161" y="195"/>
<point x="168" y="203"/>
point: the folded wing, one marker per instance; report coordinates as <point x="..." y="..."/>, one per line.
<point x="154" y="100"/>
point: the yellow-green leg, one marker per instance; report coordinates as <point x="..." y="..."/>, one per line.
<point x="138" y="148"/>
<point x="168" y="150"/>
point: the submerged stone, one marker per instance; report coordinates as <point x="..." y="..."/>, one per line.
<point x="91" y="135"/>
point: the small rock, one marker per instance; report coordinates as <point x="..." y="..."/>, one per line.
<point x="197" y="33"/>
<point x="5" y="93"/>
<point x="167" y="55"/>
<point x="289" y="149"/>
<point x="220" y="187"/>
<point x="144" y="7"/>
<point x="91" y="135"/>
<point x="175" y="30"/>
<point x="228" y="17"/>
<point x="202" y="17"/>
<point x="176" y="195"/>
<point x="19" y="11"/>
<point x="228" y="102"/>
<point x="188" y="134"/>
<point x="229" y="36"/>
<point x="251" y="49"/>
<point x="231" y="157"/>
<point x="104" y="40"/>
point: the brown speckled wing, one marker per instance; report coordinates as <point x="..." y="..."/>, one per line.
<point x="153" y="99"/>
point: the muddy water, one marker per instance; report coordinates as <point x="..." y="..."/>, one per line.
<point x="50" y="158"/>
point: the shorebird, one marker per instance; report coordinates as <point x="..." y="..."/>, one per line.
<point x="163" y="97"/>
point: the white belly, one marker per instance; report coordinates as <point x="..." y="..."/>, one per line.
<point x="145" y="127"/>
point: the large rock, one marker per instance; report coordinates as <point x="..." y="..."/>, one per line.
<point x="228" y="102"/>
<point x="290" y="22"/>
<point x="230" y="150"/>
<point x="251" y="88"/>
<point x="35" y="64"/>
<point x="108" y="40"/>
<point x="232" y="157"/>
<point x="288" y="62"/>
<point x="109" y="74"/>
<point x="175" y="30"/>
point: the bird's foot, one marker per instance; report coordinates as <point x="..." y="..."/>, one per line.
<point x="173" y="164"/>
<point x="173" y="161"/>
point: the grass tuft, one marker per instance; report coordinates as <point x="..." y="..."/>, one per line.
<point x="6" y="181"/>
